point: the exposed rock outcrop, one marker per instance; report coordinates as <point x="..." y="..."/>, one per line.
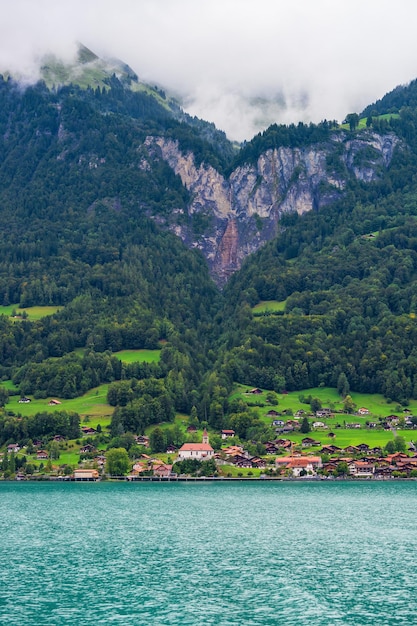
<point x="243" y="211"/>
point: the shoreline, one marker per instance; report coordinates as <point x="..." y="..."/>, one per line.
<point x="205" y="479"/>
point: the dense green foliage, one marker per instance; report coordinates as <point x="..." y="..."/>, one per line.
<point x="82" y="202"/>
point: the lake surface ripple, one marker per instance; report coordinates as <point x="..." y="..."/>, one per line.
<point x="165" y="554"/>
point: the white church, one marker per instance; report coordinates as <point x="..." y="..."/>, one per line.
<point x="200" y="451"/>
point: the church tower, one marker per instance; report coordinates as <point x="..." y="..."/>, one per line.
<point x="205" y="436"/>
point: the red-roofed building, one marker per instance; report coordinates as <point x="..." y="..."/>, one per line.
<point x="299" y="463"/>
<point x="227" y="433"/>
<point x="200" y="451"/>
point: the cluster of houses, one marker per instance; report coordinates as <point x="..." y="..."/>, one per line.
<point x="361" y="460"/>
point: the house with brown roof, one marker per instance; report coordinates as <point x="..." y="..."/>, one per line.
<point x="87" y="449"/>
<point x="227" y="433"/>
<point x="87" y="430"/>
<point x="42" y="455"/>
<point x="163" y="470"/>
<point x="307" y="442"/>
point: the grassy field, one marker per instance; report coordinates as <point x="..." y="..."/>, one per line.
<point x="362" y="121"/>
<point x="138" y="356"/>
<point x="352" y="437"/>
<point x="266" y="307"/>
<point x="375" y="403"/>
<point x="33" y="312"/>
<point x="92" y="404"/>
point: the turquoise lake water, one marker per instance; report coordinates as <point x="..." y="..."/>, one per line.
<point x="208" y="553"/>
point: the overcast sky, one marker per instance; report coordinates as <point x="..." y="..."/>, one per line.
<point x="234" y="62"/>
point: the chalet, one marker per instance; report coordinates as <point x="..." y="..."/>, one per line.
<point x="330" y="466"/>
<point x="227" y="433"/>
<point x="255" y="391"/>
<point x="191" y="428"/>
<point x="142" y="440"/>
<point x="283" y="443"/>
<point x="243" y="462"/>
<point x="279" y="423"/>
<point x="139" y="467"/>
<point x="352" y="450"/>
<point x="363" y="411"/>
<point x="307" y="442"/>
<point x="232" y="450"/>
<point x="87" y="449"/>
<point x="171" y="449"/>
<point x="286" y="429"/>
<point x="319" y="425"/>
<point x="273" y="413"/>
<point x="363" y="447"/>
<point x="383" y="472"/>
<point x="42" y="455"/>
<point x="100" y="460"/>
<point x="323" y="413"/>
<point x="24" y="400"/>
<point x="375" y="450"/>
<point x="87" y="430"/>
<point x="372" y="425"/>
<point x="59" y="438"/>
<point x="85" y="474"/>
<point x="237" y="458"/>
<point x="300" y="413"/>
<point x="271" y="448"/>
<point x="13" y="447"/>
<point x="53" y="402"/>
<point x="330" y="449"/>
<point x="200" y="451"/>
<point x="352" y="425"/>
<point x="293" y="423"/>
<point x="162" y="470"/>
<point x="396" y="457"/>
<point x="258" y="462"/>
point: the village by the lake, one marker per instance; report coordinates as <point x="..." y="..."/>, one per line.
<point x="329" y="443"/>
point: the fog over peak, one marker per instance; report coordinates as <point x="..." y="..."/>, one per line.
<point x="242" y="64"/>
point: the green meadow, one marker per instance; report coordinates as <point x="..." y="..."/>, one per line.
<point x="362" y="121"/>
<point x="33" y="313"/>
<point x="92" y="404"/>
<point x="352" y="437"/>
<point x="138" y="356"/>
<point x="328" y="396"/>
<point x="266" y="307"/>
<point x="344" y="436"/>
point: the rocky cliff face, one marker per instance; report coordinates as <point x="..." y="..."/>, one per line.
<point x="242" y="212"/>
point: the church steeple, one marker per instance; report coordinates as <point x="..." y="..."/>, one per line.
<point x="205" y="436"/>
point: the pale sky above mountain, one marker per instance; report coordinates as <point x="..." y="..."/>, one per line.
<point x="233" y="62"/>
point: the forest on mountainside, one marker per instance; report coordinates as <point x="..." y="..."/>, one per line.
<point x="81" y="204"/>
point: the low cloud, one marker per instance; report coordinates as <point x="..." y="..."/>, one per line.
<point x="242" y="64"/>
